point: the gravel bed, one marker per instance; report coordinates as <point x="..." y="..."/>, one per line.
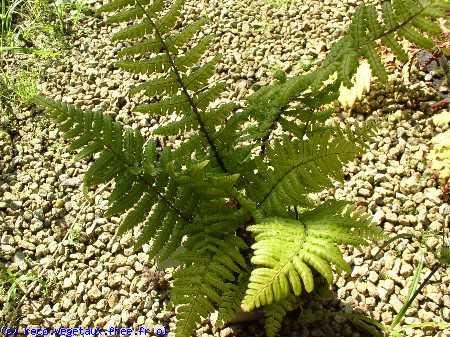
<point x="92" y="280"/>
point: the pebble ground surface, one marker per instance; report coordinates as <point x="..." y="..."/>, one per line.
<point x="88" y="279"/>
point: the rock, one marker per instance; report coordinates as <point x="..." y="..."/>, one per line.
<point x="396" y="303"/>
<point x="410" y="185"/>
<point x="41" y="250"/>
<point x="383" y="294"/>
<point x="388" y="285"/>
<point x="94" y="293"/>
<point x="227" y="332"/>
<point x="433" y="194"/>
<point x="386" y="316"/>
<point x="364" y="192"/>
<point x="59" y="203"/>
<point x="71" y="182"/>
<point x="112" y="300"/>
<point x="444" y="209"/>
<point x="379" y="216"/>
<point x="425" y="316"/>
<point x="46" y="310"/>
<point x="406" y="269"/>
<point x="373" y="276"/>
<point x="360" y="270"/>
<point x="67" y="283"/>
<point x="19" y="260"/>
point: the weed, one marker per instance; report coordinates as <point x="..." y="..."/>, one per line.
<point x="69" y="13"/>
<point x="8" y="11"/>
<point x="11" y="285"/>
<point x="73" y="236"/>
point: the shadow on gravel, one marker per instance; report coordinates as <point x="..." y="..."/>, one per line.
<point x="329" y="317"/>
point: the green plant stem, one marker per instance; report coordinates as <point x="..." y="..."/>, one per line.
<point x="418" y="290"/>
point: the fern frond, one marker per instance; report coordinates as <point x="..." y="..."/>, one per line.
<point x="198" y="78"/>
<point x="177" y="104"/>
<point x="166" y="84"/>
<point x="159" y="64"/>
<point x="230" y="303"/>
<point x="198" y="287"/>
<point x="303" y="166"/>
<point x="144" y="28"/>
<point x="142" y="186"/>
<point x="194" y="54"/>
<point x="136" y="13"/>
<point x="172" y="42"/>
<point x="408" y="19"/>
<point x="187" y="123"/>
<point x="375" y="63"/>
<point x="119" y="4"/>
<point x="274" y="314"/>
<point x="287" y="251"/>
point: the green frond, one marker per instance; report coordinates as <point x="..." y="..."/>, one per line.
<point x="302" y="167"/>
<point x="274" y="314"/>
<point x="434" y="12"/>
<point x="138" y="214"/>
<point x="162" y="236"/>
<point x="168" y="21"/>
<point x="187" y="33"/>
<point x="373" y="25"/>
<point x="151" y="45"/>
<point x="426" y="25"/>
<point x="144" y="28"/>
<point x="151" y="225"/>
<point x="177" y="104"/>
<point x="175" y="128"/>
<point x="102" y="170"/>
<point x="349" y="65"/>
<point x="137" y="13"/>
<point x="390" y="42"/>
<point x="172" y="42"/>
<point x="200" y="285"/>
<point x="127" y="200"/>
<point x="288" y="250"/>
<point x="166" y="84"/>
<point x="230" y="303"/>
<point x="194" y="54"/>
<point x="133" y="32"/>
<point x="156" y="64"/>
<point x="119" y="4"/>
<point x="410" y="33"/>
<point x="375" y="63"/>
<point x="198" y="78"/>
<point x="142" y="187"/>
<point x="204" y="98"/>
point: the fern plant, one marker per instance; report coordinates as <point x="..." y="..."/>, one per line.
<point x="232" y="174"/>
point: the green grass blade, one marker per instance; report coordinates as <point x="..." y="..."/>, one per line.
<point x="411" y="290"/>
